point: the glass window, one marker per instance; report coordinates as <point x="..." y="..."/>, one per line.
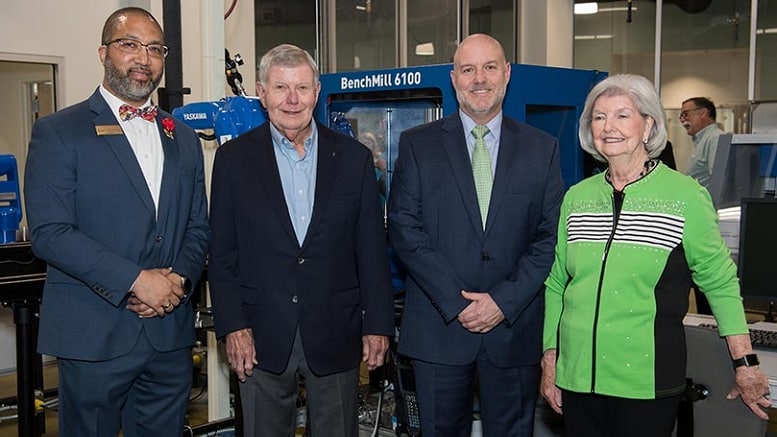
<point x="432" y="31"/>
<point x="366" y="34"/>
<point x="283" y="21"/>
<point x="705" y="53"/>
<point x="495" y="18"/>
<point x="766" y="48"/>
<point x="28" y="91"/>
<point x="605" y="40"/>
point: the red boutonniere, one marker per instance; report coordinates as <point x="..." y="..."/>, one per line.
<point x="169" y="126"/>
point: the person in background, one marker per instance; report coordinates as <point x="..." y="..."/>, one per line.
<point x="298" y="266"/>
<point x="116" y="204"/>
<point x="697" y="116"/>
<point x="378" y="158"/>
<point x="473" y="209"/>
<point x="630" y="241"/>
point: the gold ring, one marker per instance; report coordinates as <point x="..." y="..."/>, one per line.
<point x="168" y="306"/>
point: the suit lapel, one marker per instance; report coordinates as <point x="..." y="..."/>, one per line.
<point x="455" y="146"/>
<point x="328" y="158"/>
<point x="263" y="160"/>
<point x="121" y="148"/>
<point x="170" y="173"/>
<point x="505" y="166"/>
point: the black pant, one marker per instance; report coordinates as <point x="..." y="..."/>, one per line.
<point x="592" y="415"/>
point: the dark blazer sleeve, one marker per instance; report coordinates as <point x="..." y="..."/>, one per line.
<point x="517" y="291"/>
<point x="190" y="258"/>
<point x="223" y="270"/>
<point x="410" y="234"/>
<point x="372" y="258"/>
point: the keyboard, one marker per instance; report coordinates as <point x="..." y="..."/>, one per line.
<point x="760" y="338"/>
<point x="763" y="339"/>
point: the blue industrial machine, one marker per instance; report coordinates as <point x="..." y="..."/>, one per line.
<point x="10" y="200"/>
<point x="229" y="117"/>
<point x="376" y="106"/>
<point x="381" y="104"/>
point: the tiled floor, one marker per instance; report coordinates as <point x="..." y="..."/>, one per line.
<point x="198" y="408"/>
<point x="197" y="415"/>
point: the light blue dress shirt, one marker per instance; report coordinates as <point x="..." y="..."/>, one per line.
<point x="298" y="178"/>
<point x="705" y="146"/>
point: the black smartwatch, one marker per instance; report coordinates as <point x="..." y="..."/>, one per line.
<point x="186" y="284"/>
<point x="748" y="360"/>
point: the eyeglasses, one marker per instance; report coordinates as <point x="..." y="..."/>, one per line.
<point x="687" y="112"/>
<point x="133" y="47"/>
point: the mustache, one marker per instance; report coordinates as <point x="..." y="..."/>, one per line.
<point x="142" y="69"/>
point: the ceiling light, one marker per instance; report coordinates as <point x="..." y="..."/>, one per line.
<point x="586" y="8"/>
<point x="424" y="49"/>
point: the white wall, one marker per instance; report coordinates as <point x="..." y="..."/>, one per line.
<point x="547" y="32"/>
<point x="68" y="29"/>
<point x="71" y="30"/>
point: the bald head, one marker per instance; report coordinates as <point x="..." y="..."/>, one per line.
<point x="120" y="17"/>
<point x="479" y="41"/>
<point x="480" y="75"/>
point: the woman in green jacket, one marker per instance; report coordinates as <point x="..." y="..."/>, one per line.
<point x="631" y="241"/>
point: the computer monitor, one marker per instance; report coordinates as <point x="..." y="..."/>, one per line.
<point x="745" y="166"/>
<point x="757" y="248"/>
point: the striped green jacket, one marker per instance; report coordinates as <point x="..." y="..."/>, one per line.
<point x="618" y="289"/>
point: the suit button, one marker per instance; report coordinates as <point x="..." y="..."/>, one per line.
<point x="300" y="260"/>
<point x="158" y="238"/>
<point x="294" y="299"/>
<point x="485" y="257"/>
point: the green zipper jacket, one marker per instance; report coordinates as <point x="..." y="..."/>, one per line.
<point x="618" y="289"/>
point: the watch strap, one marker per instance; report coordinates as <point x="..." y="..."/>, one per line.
<point x="748" y="360"/>
<point x="186" y="284"/>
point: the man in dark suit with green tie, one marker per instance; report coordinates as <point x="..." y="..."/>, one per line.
<point x="473" y="212"/>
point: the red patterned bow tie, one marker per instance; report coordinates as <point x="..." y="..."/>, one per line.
<point x="127" y="112"/>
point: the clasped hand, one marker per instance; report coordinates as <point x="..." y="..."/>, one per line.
<point x="155" y="293"/>
<point x="482" y="314"/>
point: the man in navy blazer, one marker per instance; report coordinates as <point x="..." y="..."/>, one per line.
<point x="474" y="304"/>
<point x="298" y="265"/>
<point x="117" y="209"/>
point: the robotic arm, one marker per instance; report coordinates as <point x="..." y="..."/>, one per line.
<point x="229" y="117"/>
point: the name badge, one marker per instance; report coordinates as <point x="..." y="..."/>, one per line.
<point x="111" y="129"/>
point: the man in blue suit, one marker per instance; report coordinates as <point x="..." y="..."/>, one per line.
<point x="116" y="203"/>
<point x="473" y="218"/>
<point x="298" y="266"/>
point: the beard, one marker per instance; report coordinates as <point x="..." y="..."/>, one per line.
<point x="474" y="107"/>
<point x="121" y="83"/>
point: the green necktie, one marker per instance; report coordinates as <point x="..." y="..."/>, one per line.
<point x="481" y="171"/>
